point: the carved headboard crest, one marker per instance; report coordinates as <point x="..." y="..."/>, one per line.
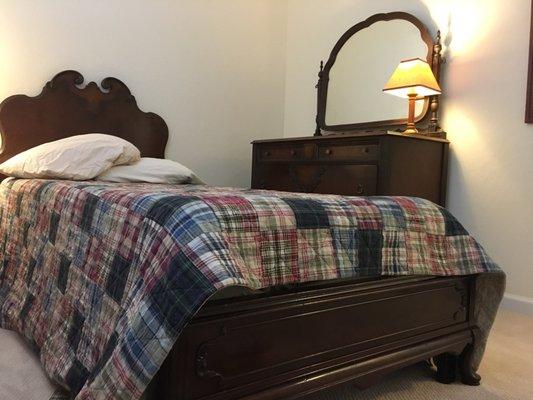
<point x="65" y="108"/>
<point x="73" y="80"/>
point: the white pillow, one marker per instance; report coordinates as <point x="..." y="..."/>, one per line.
<point x="151" y="170"/>
<point x="79" y="157"/>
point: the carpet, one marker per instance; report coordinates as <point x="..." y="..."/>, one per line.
<point x="21" y="376"/>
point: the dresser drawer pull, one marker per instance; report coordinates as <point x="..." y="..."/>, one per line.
<point x="328" y="152"/>
<point x="267" y="153"/>
<point x="360" y="189"/>
<point x="366" y="150"/>
<point x="293" y="153"/>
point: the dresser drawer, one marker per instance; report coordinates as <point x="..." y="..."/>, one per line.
<point x="349" y="180"/>
<point x="353" y="152"/>
<point x="343" y="179"/>
<point x="283" y="153"/>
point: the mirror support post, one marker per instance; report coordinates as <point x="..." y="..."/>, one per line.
<point x="318" y="131"/>
<point x="433" y="127"/>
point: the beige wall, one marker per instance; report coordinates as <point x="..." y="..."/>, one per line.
<point x="214" y="70"/>
<point x="491" y="168"/>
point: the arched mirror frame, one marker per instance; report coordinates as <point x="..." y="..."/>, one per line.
<point x="431" y="104"/>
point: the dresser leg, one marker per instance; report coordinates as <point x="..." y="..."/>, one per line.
<point x="446" y="366"/>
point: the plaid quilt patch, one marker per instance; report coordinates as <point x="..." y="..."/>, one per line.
<point x="101" y="278"/>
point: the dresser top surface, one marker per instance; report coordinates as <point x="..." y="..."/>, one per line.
<point x="354" y="135"/>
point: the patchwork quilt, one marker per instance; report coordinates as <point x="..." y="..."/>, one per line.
<point x="101" y="278"/>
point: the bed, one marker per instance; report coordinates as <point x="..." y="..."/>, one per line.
<point x="283" y="340"/>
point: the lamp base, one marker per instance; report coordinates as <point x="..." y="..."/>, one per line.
<point x="410" y="129"/>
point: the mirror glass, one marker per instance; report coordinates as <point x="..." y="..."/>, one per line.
<point x="363" y="66"/>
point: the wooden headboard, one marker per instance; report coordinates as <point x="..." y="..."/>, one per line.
<point x="65" y="108"/>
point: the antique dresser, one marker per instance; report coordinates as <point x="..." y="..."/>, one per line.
<point x="363" y="164"/>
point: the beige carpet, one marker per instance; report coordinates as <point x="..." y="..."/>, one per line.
<point x="21" y="376"/>
<point x="506" y="372"/>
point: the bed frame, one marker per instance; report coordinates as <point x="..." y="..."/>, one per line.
<point x="280" y="343"/>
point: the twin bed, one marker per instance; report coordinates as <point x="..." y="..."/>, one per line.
<point x="194" y="292"/>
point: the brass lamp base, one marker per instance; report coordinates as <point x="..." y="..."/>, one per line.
<point x="410" y="129"/>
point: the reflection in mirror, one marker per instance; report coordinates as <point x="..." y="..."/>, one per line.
<point x="363" y="66"/>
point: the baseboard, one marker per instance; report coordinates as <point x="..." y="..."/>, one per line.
<point x="516" y="303"/>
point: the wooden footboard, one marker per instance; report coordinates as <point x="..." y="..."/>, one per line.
<point x="286" y="345"/>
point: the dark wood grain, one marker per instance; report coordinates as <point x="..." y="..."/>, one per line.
<point x="65" y="108"/>
<point x="297" y="341"/>
<point x="365" y="164"/>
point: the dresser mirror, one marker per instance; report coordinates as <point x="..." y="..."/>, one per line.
<point x="350" y="96"/>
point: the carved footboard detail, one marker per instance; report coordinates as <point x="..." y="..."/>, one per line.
<point x="291" y="344"/>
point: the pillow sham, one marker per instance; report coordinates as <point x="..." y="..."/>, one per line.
<point x="79" y="157"/>
<point x="151" y="170"/>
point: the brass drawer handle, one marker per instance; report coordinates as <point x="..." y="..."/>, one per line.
<point x="360" y="189"/>
<point x="328" y="152"/>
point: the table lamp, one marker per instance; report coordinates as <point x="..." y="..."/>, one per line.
<point x="412" y="79"/>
